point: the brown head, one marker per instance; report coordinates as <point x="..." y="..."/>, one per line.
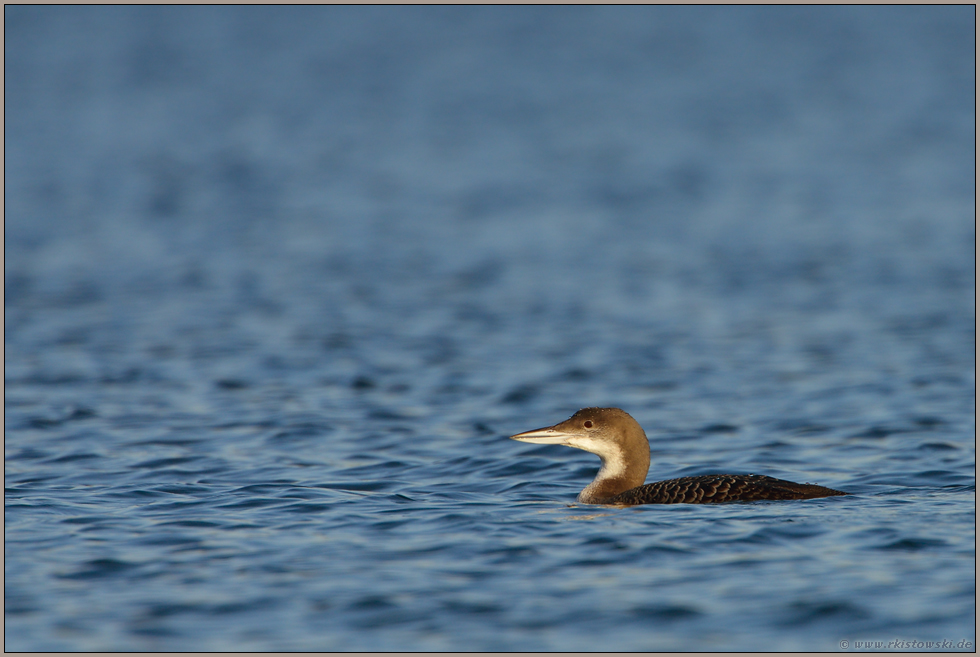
<point x="610" y="433"/>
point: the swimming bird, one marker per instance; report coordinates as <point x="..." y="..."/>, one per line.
<point x="621" y="443"/>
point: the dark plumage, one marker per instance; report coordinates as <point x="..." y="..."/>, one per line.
<point x="714" y="488"/>
<point x="621" y="444"/>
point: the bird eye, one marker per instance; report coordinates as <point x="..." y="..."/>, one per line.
<point x="588" y="424"/>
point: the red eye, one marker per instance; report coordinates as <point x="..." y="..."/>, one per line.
<point x="588" y="424"/>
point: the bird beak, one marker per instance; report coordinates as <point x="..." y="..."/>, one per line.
<point x="546" y="436"/>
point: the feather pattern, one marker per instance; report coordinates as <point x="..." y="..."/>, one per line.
<point x="712" y="489"/>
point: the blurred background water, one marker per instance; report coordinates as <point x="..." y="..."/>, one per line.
<point x="280" y="281"/>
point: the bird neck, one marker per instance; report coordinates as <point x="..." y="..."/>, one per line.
<point x="622" y="469"/>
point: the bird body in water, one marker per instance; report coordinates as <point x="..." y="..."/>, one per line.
<point x="619" y="440"/>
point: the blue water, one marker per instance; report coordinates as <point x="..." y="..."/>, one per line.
<point x="279" y="283"/>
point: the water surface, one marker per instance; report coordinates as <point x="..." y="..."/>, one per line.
<point x="279" y="283"/>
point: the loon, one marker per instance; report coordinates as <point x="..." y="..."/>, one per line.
<point x="620" y="442"/>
